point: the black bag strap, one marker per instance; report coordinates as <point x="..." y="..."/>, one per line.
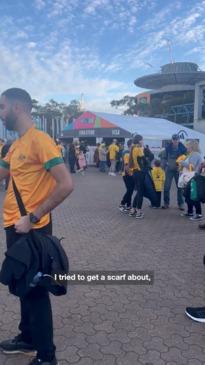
<point x="19" y="200"/>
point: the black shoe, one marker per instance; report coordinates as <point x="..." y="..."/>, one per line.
<point x="197" y="314"/>
<point x="165" y="206"/>
<point x="186" y="214"/>
<point x="202" y="226"/>
<point x="16" y="346"/>
<point x="37" y="361"/>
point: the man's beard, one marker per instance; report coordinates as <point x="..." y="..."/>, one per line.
<point x="10" y="122"/>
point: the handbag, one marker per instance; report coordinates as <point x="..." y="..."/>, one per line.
<point x="57" y="264"/>
<point x="193" y="194"/>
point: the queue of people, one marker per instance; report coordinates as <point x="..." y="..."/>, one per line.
<point x="109" y="158"/>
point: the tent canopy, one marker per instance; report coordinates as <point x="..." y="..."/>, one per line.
<point x="149" y="128"/>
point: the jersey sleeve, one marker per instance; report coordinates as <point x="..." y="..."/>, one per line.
<point x="47" y="152"/>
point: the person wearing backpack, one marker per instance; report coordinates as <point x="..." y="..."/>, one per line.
<point x="37" y="167"/>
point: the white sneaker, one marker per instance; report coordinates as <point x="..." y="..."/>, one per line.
<point x="139" y="215"/>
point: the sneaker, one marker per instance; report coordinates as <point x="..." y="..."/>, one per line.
<point x="132" y="213"/>
<point x="126" y="210"/>
<point x="186" y="215"/>
<point x="197" y="217"/>
<point x="197" y="314"/>
<point x="165" y="206"/>
<point x="139" y="215"/>
<point x="122" y="206"/>
<point x="17" y="346"/>
<point x="37" y="361"/>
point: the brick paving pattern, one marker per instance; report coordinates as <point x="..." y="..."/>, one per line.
<point x="113" y="324"/>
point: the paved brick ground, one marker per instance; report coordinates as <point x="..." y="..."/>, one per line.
<point x="122" y="325"/>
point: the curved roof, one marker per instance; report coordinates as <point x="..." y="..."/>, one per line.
<point x="152" y="128"/>
<point x="172" y="74"/>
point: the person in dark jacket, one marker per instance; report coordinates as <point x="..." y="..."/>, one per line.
<point x="172" y="152"/>
<point x="72" y="158"/>
<point x="39" y="172"/>
<point x="149" y="156"/>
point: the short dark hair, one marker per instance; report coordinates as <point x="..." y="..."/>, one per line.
<point x="137" y="139"/>
<point x="129" y="142"/>
<point x="175" y="137"/>
<point x="17" y="94"/>
<point x="157" y="163"/>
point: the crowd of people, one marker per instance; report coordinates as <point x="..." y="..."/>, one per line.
<point x="147" y="177"/>
<point x="40" y="181"/>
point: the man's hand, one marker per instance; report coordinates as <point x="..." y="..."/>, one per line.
<point x="23" y="225"/>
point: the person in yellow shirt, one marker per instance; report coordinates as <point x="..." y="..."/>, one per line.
<point x="43" y="181"/>
<point x="138" y="163"/>
<point x="158" y="177"/>
<point x="113" y="149"/>
<point x="127" y="176"/>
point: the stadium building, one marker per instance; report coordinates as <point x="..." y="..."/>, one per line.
<point x="177" y="93"/>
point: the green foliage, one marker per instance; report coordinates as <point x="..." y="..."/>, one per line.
<point x="53" y="109"/>
<point x="160" y="104"/>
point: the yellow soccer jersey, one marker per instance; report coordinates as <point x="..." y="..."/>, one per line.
<point x="158" y="176"/>
<point x="113" y="149"/>
<point x="29" y="160"/>
<point x="137" y="152"/>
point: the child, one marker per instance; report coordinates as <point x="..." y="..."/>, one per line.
<point x="158" y="177"/>
<point x="81" y="162"/>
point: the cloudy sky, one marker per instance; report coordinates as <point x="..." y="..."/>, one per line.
<point x="61" y="49"/>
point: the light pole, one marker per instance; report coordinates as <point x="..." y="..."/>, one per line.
<point x="169" y="43"/>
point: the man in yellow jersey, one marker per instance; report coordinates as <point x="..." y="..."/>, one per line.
<point x="113" y="149"/>
<point x="37" y="167"/>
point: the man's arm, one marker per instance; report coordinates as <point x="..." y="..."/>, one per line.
<point x="63" y="188"/>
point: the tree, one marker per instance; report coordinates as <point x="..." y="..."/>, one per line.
<point x="73" y="110"/>
<point x="161" y="104"/>
<point x="129" y="101"/>
<point x="49" y="116"/>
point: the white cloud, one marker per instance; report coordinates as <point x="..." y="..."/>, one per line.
<point x="40" y="4"/>
<point x="46" y="77"/>
<point x="38" y="58"/>
<point x="31" y="45"/>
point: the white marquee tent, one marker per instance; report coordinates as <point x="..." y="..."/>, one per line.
<point x="154" y="130"/>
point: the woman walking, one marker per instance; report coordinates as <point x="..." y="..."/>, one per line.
<point x="192" y="163"/>
<point x="138" y="164"/>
